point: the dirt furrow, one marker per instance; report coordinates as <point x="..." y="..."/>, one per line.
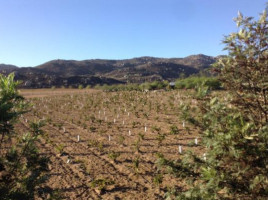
<point x="71" y="184"/>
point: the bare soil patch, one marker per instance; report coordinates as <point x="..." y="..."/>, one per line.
<point x="105" y="145"/>
<point x="32" y="93"/>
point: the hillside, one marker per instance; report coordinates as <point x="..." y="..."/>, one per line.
<point x="99" y="71"/>
<point x="4" y="68"/>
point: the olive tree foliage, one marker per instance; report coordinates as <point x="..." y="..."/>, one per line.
<point x="22" y="168"/>
<point x="234" y="126"/>
<point x="11" y="104"/>
<point x="245" y="71"/>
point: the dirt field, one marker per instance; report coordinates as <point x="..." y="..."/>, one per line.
<point x="106" y="145"/>
<point x="31" y="93"/>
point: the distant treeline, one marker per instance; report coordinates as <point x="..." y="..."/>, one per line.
<point x="185" y="83"/>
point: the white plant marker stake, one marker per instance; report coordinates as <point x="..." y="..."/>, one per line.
<point x="123" y="122"/>
<point x="64" y="129"/>
<point x="68" y="161"/>
<point x="183" y="124"/>
<point x="109" y="138"/>
<point x="196" y="141"/>
<point x="145" y="129"/>
<point x="114" y="120"/>
<point x="26" y="120"/>
<point x="204" y="156"/>
<point x="180" y="149"/>
<point x="129" y="132"/>
<point x="78" y="138"/>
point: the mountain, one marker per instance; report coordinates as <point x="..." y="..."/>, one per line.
<point x="100" y="71"/>
<point x="7" y="68"/>
<point x="68" y="68"/>
<point x="199" y="61"/>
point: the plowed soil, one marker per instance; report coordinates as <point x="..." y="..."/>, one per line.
<point x="106" y="145"/>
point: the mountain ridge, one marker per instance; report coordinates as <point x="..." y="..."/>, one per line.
<point x="108" y="71"/>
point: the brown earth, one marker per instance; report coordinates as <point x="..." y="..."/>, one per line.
<point x="32" y="93"/>
<point x="115" y="158"/>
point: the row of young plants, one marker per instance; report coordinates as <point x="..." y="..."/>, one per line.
<point x="80" y="86"/>
<point x="129" y="120"/>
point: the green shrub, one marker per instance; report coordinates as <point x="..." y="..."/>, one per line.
<point x="174" y="130"/>
<point x="113" y="155"/>
<point x="156" y="85"/>
<point x="234" y="133"/>
<point x="101" y="184"/>
<point x="194" y="82"/>
<point x="22" y="168"/>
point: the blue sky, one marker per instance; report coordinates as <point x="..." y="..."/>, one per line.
<point x="36" y="31"/>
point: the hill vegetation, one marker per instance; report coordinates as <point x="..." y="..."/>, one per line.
<point x="192" y="82"/>
<point x="59" y="73"/>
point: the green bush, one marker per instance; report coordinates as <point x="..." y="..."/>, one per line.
<point x="194" y="82"/>
<point x="22" y="168"/>
<point x="234" y="132"/>
<point x="156" y="85"/>
<point x="174" y="130"/>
